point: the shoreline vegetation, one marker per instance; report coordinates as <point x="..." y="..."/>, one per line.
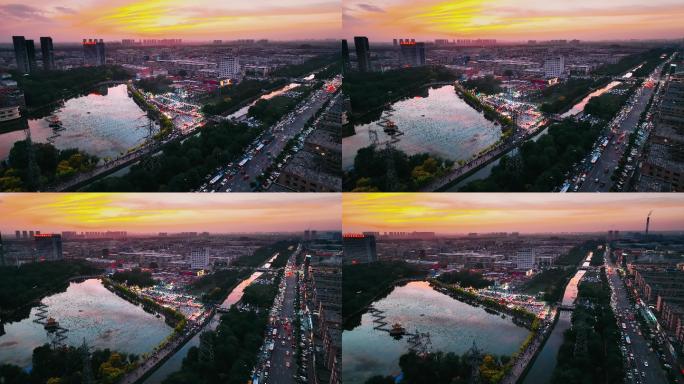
<point x="65" y="365"/>
<point x="410" y="172"/>
<point x="18" y="174"/>
<point x="43" y="89"/>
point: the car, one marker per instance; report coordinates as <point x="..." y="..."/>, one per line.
<point x="645" y="363"/>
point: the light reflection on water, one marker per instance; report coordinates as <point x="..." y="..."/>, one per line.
<point x="88" y="310"/>
<point x="104" y="125"/>
<point x="440" y="123"/>
<point x="452" y="325"/>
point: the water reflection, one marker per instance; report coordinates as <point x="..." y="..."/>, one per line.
<point x="440" y="123"/>
<point x="243" y="111"/>
<point x="88" y="310"/>
<point x="452" y="325"/>
<point x="105" y="123"/>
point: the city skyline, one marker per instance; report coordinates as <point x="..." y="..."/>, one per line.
<point x="524" y="213"/>
<point x="512" y="20"/>
<point x="70" y="20"/>
<point x="152" y="213"/>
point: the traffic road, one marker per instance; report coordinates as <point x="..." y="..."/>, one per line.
<point x="282" y="357"/>
<point x="598" y="178"/>
<point x="241" y="179"/>
<point x="641" y="364"/>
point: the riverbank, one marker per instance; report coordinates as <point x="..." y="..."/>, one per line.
<point x="531" y="358"/>
<point x="520" y="316"/>
<point x="487" y="111"/>
<point x="172" y="317"/>
<point x="165" y="124"/>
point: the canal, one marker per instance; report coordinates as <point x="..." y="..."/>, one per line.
<point x="91" y="312"/>
<point x="175" y="362"/>
<point x="579" y="107"/>
<point x="545" y="362"/>
<point x="440" y="123"/>
<point x="453" y="326"/>
<point x="243" y="111"/>
<point x="104" y="123"/>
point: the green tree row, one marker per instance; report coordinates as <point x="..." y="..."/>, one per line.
<point x="541" y="165"/>
<point x="182" y="167"/>
<point x="51" y="165"/>
<point x="596" y="335"/>
<point x="440" y="367"/>
<point x="370" y="173"/>
<point x="65" y="366"/>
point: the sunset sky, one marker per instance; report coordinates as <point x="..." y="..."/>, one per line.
<point x="514" y="19"/>
<point x="151" y="213"/>
<point x="72" y="20"/>
<point x="521" y="212"/>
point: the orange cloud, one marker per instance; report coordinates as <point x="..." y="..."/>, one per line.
<point x="171" y="212"/>
<point x="464" y="212"/>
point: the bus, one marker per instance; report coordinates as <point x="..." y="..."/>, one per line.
<point x="216" y="178"/>
<point x="259" y="147"/>
<point x="243" y="162"/>
<point x="595" y="157"/>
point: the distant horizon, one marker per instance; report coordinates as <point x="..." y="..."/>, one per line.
<point x="184" y="41"/>
<point x="465" y="234"/>
<point x="350" y="39"/>
<point x="11" y="234"/>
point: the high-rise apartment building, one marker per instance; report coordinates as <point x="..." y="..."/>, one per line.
<point x="358" y="248"/>
<point x="48" y="53"/>
<point x="31" y="54"/>
<point x="346" y="62"/>
<point x="362" y="53"/>
<point x="412" y="54"/>
<point x="199" y="259"/>
<point x="94" y="52"/>
<point x="524" y="259"/>
<point x="21" y="54"/>
<point x="48" y="246"/>
<point x="554" y="66"/>
<point x="229" y="66"/>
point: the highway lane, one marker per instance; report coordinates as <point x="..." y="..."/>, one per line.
<point x="641" y="363"/>
<point x="598" y="178"/>
<point x="241" y="182"/>
<point x="283" y="351"/>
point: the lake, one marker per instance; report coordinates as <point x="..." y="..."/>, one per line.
<point x="441" y="124"/>
<point x="453" y="326"/>
<point x="88" y="310"/>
